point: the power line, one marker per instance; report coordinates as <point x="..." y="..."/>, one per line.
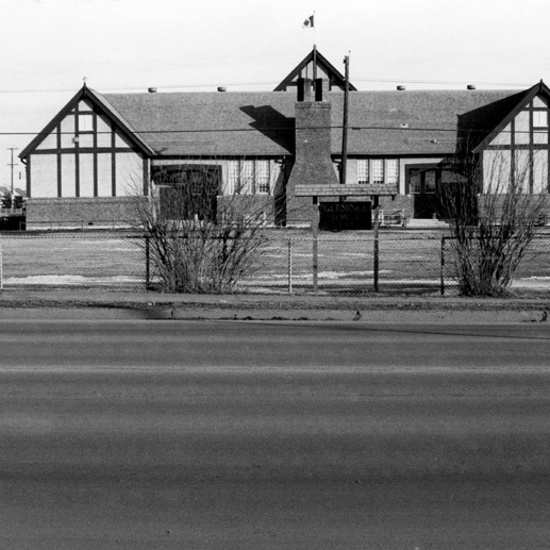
<point x="462" y="131"/>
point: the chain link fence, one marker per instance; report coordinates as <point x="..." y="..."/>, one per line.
<point x="84" y="259"/>
<point x="293" y="262"/>
<point x="350" y="263"/>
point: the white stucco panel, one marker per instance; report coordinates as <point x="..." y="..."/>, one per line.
<point x="44" y="176"/>
<point x="104" y="175"/>
<point x="86" y="161"/>
<point x="497" y="167"/>
<point x="103" y="132"/>
<point x="68" y="175"/>
<point x="129" y="174"/>
<point x="49" y="142"/>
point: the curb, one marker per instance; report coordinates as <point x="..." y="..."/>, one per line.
<point x="72" y="304"/>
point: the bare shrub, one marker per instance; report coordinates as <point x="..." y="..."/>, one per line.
<point x="493" y="211"/>
<point x="197" y="241"/>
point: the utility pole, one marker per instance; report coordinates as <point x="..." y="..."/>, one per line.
<point x="12" y="164"/>
<point x="343" y="168"/>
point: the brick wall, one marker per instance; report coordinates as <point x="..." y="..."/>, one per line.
<point x="80" y="212"/>
<point x="118" y="211"/>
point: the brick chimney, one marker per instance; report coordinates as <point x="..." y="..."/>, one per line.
<point x="312" y="161"/>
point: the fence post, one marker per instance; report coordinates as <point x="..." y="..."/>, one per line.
<point x="290" y="265"/>
<point x="315" y="231"/>
<point x="443" y="265"/>
<point x="1" y="267"/>
<point x="147" y="258"/>
<point x="376" y="251"/>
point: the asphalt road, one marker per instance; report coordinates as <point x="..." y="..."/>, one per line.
<point x="165" y="434"/>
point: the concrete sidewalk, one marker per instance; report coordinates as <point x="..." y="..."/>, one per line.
<point x="109" y="304"/>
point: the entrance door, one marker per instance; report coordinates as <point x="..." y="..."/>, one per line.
<point x="421" y="184"/>
<point x="188" y="192"/>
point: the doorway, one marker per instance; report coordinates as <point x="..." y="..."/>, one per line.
<point x="421" y="184"/>
<point x="188" y="192"/>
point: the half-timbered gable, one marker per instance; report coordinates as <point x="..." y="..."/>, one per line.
<point x="518" y="148"/>
<point x="87" y="150"/>
<point x="314" y="66"/>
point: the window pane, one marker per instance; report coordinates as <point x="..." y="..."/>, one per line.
<point x="377" y="169"/>
<point x="414" y="184"/>
<point x="362" y="171"/>
<point x="233" y="177"/>
<point x="429" y="182"/>
<point x="246" y="177"/>
<point x="392" y="171"/>
<point x="262" y="177"/>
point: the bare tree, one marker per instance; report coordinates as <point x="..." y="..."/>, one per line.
<point x="200" y="240"/>
<point x="493" y="208"/>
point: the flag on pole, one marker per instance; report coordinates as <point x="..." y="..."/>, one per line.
<point x="308" y="23"/>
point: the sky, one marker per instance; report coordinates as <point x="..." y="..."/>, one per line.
<point x="50" y="46"/>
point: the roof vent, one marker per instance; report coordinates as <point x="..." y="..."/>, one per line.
<point x="152" y="90"/>
<point x="471" y="87"/>
<point x="222" y="89"/>
<point x="401" y="88"/>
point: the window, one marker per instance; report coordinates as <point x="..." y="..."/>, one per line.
<point x="248" y="177"/>
<point x="262" y="177"/>
<point x="233" y="176"/>
<point x="362" y="171"/>
<point x="392" y="171"/>
<point x="415" y="184"/>
<point x="540" y="119"/>
<point x="85" y="122"/>
<point x="378" y="171"/>
<point x="429" y="182"/>
<point x="245" y="185"/>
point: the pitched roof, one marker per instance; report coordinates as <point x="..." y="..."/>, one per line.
<point x="262" y="123"/>
<point x="325" y="67"/>
<point x="211" y="123"/>
<point x="431" y="122"/>
<point x="215" y="124"/>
